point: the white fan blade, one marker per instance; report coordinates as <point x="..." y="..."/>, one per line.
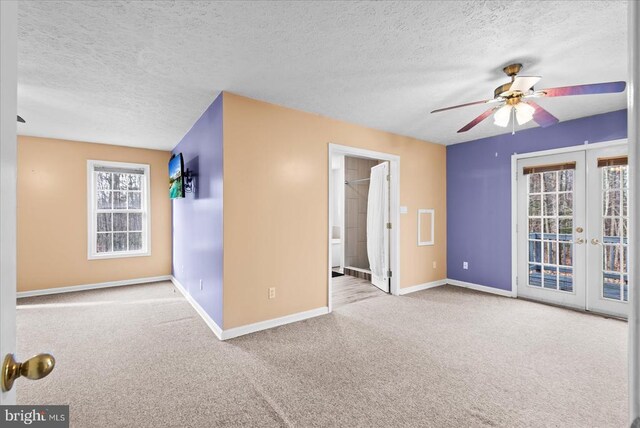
<point x="524" y="83"/>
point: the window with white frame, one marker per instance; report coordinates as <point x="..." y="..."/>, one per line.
<point x="118" y="201"/>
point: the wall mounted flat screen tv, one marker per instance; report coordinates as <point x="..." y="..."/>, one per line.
<point x="176" y="176"/>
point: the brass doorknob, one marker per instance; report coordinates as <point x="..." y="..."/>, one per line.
<point x="34" y="368"/>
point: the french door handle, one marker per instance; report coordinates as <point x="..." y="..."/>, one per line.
<point x="579" y="241"/>
<point x="34" y="368"/>
<point x="595" y="241"/>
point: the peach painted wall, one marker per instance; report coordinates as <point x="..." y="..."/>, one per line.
<point x="52" y="215"/>
<point x="276" y="206"/>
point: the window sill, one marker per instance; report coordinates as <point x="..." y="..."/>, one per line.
<point x="118" y="255"/>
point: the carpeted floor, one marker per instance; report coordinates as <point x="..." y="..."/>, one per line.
<point x="139" y="356"/>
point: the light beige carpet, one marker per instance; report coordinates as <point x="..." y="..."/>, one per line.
<point x="139" y="356"/>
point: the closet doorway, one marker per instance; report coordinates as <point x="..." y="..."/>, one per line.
<point x="572" y="228"/>
<point x="363" y="224"/>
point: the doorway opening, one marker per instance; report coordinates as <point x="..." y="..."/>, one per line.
<point x="572" y="228"/>
<point x="363" y="224"/>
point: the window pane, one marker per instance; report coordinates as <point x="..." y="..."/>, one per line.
<point x="611" y="177"/>
<point x="611" y="203"/>
<point x="135" y="241"/>
<point x="120" y="241"/>
<point x="611" y="286"/>
<point x="550" y="253"/>
<point x="535" y="228"/>
<point x="103" y="243"/>
<point x="534" y="205"/>
<point x="565" y="250"/>
<point x="611" y="230"/>
<point x="565" y="279"/>
<point x="104" y="200"/>
<point x="550" y="277"/>
<point x="550" y="228"/>
<point x="119" y="221"/>
<point x="625" y="288"/>
<point x="103" y="180"/>
<point x="135" y="221"/>
<point x="565" y="204"/>
<point x="535" y="248"/>
<point x="550" y="205"/>
<point x="565" y="180"/>
<point x="611" y="258"/>
<point x="134" y="201"/>
<point x="135" y="182"/>
<point x="535" y="275"/>
<point x="565" y="227"/>
<point x="119" y="200"/>
<point x="624" y="202"/>
<point x="120" y="181"/>
<point x="534" y="183"/>
<point x="549" y="180"/>
<point x="104" y="222"/>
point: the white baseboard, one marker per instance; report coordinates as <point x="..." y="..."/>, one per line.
<point x="479" y="287"/>
<point x="424" y="286"/>
<point x="215" y="328"/>
<point x="84" y="287"/>
<point x="264" y="325"/>
<point x="249" y="328"/>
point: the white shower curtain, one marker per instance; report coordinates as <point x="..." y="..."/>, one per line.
<point x="377" y="232"/>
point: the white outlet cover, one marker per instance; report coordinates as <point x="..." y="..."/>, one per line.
<point x="404" y="210"/>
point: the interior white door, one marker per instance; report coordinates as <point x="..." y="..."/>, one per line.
<point x="607" y="227"/>
<point x="551" y="229"/>
<point x="8" y="108"/>
<point x="377" y="230"/>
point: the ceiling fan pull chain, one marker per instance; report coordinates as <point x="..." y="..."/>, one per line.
<point x="513" y="122"/>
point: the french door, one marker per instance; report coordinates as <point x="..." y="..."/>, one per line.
<point x="572" y="229"/>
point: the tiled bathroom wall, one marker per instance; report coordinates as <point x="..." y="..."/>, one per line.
<point x="356" y="196"/>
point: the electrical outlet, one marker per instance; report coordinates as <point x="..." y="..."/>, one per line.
<point x="200" y="284"/>
<point x="435" y="265"/>
<point x="465" y="265"/>
<point x="272" y="292"/>
<point x="182" y="268"/>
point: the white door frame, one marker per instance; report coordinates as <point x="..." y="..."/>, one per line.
<point x="8" y="166"/>
<point x="633" y="103"/>
<point x="514" y="194"/>
<point x="394" y="199"/>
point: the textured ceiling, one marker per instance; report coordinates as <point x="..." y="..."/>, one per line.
<point x="141" y="73"/>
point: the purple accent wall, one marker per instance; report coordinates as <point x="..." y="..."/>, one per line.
<point x="197" y="219"/>
<point x="479" y="192"/>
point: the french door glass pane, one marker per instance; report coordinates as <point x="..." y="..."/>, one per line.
<point x="535" y="275"/>
<point x="614" y="232"/>
<point x="551" y="230"/>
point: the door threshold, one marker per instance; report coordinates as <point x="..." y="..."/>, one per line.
<point x="571" y="308"/>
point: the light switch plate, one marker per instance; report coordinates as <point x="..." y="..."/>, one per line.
<point x="404" y="210"/>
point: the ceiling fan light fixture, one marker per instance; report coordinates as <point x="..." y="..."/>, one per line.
<point x="503" y="116"/>
<point x="524" y="113"/>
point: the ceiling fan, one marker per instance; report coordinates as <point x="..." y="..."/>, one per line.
<point x="514" y="100"/>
